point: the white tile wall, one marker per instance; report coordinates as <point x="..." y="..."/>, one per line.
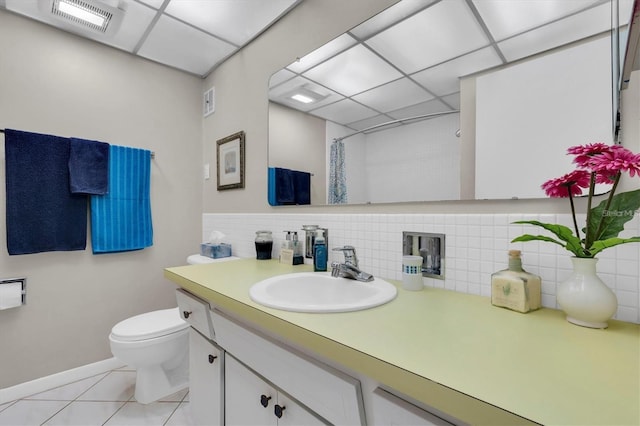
<point x="476" y="245"/>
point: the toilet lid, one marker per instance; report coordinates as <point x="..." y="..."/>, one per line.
<point x="149" y="325"/>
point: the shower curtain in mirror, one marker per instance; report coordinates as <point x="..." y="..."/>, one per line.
<point x="337" y="177"/>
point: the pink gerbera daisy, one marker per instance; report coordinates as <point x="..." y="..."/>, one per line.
<point x="617" y="160"/>
<point x="572" y="182"/>
<point x="584" y="153"/>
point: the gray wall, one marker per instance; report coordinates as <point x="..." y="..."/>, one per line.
<point x="300" y="145"/>
<point x="53" y="82"/>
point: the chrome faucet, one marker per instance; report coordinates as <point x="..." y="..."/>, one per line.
<point x="349" y="269"/>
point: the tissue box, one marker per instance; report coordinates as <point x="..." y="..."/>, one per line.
<point x="215" y="251"/>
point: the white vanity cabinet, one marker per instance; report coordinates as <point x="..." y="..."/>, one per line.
<point x="239" y="376"/>
<point x="206" y="386"/>
<point x="250" y="400"/>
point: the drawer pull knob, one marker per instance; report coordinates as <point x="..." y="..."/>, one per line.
<point x="277" y="410"/>
<point x="212" y="358"/>
<point x="264" y="400"/>
<point x="186" y="314"/>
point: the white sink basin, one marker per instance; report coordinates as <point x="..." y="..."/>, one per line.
<point x="320" y="292"/>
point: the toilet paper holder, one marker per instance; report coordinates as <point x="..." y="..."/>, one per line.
<point x="5" y="304"/>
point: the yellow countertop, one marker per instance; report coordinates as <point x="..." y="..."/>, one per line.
<point x="455" y="352"/>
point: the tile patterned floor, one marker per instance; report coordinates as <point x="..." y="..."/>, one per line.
<point x="104" y="399"/>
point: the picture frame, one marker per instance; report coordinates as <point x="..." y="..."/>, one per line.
<point x="230" y="161"/>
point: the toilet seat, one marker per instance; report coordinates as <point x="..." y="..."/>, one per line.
<point x="149" y="325"/>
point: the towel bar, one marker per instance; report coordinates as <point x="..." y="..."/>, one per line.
<point x="153" y="154"/>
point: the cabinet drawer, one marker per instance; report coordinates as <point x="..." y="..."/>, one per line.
<point x="196" y="312"/>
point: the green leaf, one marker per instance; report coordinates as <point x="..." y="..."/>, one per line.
<point x="565" y="234"/>
<point x="598" y="246"/>
<point x="622" y="209"/>
<point x="529" y="237"/>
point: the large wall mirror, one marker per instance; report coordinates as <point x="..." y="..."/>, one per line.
<point x="446" y="100"/>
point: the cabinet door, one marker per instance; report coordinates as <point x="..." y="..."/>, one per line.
<point x="206" y="368"/>
<point x="294" y="414"/>
<point x="248" y="399"/>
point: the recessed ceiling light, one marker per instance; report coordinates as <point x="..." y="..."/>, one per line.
<point x="302" y="98"/>
<point x="82" y="11"/>
<point x="85" y="14"/>
<point x="307" y="95"/>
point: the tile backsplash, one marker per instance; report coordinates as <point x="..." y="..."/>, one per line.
<point x="476" y="246"/>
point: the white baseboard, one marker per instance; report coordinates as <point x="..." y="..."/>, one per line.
<point x="49" y="382"/>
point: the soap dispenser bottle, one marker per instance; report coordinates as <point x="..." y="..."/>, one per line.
<point x="319" y="252"/>
<point x="286" y="244"/>
<point x="514" y="288"/>
<point x="298" y="257"/>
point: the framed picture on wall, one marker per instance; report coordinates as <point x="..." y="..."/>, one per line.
<point x="230" y="161"/>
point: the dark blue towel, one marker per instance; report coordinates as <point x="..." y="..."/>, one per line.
<point x="285" y="191"/>
<point x="121" y="219"/>
<point x="89" y="167"/>
<point x="301" y="187"/>
<point x="42" y="214"/>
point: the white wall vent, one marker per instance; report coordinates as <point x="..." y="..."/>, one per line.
<point x="209" y="102"/>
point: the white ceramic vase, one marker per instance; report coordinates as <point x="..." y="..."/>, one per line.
<point x="584" y="297"/>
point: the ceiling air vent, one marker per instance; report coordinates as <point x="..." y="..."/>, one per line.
<point x="92" y="15"/>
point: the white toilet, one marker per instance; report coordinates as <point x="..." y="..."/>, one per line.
<point x="156" y="344"/>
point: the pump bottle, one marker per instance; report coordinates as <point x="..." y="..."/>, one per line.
<point x="319" y="252"/>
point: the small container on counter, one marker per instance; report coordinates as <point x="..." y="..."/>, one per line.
<point x="319" y="252"/>
<point x="264" y="245"/>
<point x="514" y="288"/>
<point x="298" y="257"/>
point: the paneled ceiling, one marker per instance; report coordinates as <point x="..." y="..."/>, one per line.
<point x="407" y="61"/>
<point x="191" y="35"/>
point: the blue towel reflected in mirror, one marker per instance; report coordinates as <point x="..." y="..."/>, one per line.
<point x="289" y="187"/>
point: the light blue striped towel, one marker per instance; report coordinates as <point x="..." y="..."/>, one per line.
<point x="121" y="219"/>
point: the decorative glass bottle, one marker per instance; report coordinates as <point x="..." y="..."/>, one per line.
<point x="514" y="288"/>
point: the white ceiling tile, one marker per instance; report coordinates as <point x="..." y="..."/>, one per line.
<point x="370" y="122"/>
<point x="453" y="100"/>
<point x="236" y="21"/>
<point x="344" y="111"/>
<point x="429" y="107"/>
<point x="506" y="18"/>
<point x="394" y="95"/>
<point x="388" y="17"/>
<point x="562" y="32"/>
<point x="437" y="34"/>
<point x="322" y="53"/>
<point x="134" y="24"/>
<point x="181" y="46"/>
<point x="444" y="78"/>
<point x="156" y="4"/>
<point x="353" y="71"/>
